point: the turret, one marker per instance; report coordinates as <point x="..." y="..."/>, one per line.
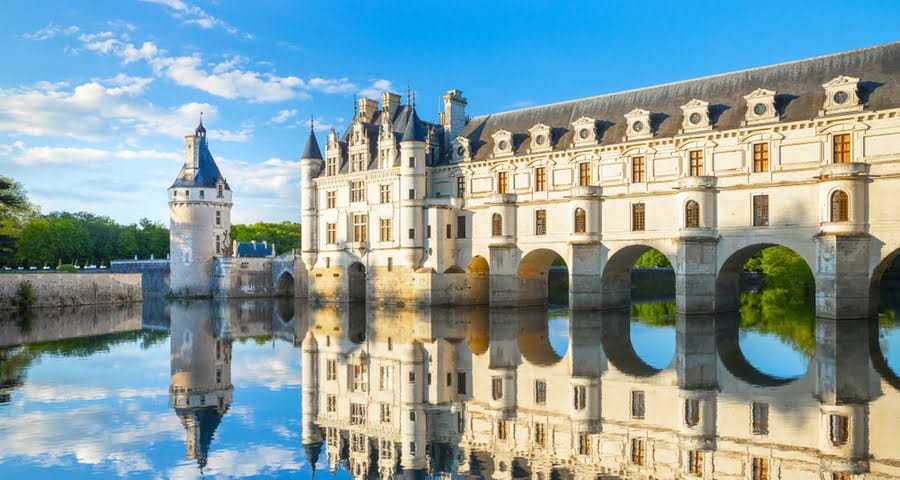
<point x="412" y="190"/>
<point x="310" y="166"/>
<point x="200" y="218"/>
<point x="311" y="434"/>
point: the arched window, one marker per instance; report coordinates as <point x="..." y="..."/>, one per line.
<point x="579" y="220"/>
<point x="692" y="214"/>
<point x="496" y="225"/>
<point x="840" y="202"/>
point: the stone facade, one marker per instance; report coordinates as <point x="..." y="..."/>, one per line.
<point x="708" y="171"/>
<point x="71" y="289"/>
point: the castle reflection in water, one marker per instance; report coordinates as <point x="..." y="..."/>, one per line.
<point x="478" y="393"/>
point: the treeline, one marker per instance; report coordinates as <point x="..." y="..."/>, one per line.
<point x="86" y="239"/>
<point x="285" y="235"/>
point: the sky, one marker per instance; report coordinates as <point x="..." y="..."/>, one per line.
<point x="96" y="97"/>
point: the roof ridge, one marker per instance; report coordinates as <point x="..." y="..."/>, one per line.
<point x="688" y="80"/>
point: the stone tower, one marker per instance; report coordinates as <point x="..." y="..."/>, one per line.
<point x="412" y="191"/>
<point x="310" y="165"/>
<point x="200" y="219"/>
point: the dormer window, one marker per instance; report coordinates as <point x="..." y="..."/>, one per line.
<point x="760" y="107"/>
<point x="502" y="143"/>
<point x="585" y="131"/>
<point x="540" y="138"/>
<point x="461" y="149"/>
<point x="638" y="125"/>
<point x="841" y="96"/>
<point x="696" y="116"/>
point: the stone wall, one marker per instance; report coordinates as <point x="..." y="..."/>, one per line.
<point x="154" y="274"/>
<point x="240" y="277"/>
<point x="69" y="289"/>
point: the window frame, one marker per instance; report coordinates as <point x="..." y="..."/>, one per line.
<point x="840" y="148"/>
<point x="496" y="225"/>
<point x="540" y="179"/>
<point x="692" y="214"/>
<point x="760" y="152"/>
<point x="840" y="206"/>
<point x="638" y="217"/>
<point x="638" y="169"/>
<point x="540" y="221"/>
<point x="580" y="220"/>
<point x="695" y="163"/>
<point x="760" y="210"/>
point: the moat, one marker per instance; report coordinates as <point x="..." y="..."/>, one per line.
<point x="274" y="388"/>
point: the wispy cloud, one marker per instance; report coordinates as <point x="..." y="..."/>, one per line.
<point x="194" y="15"/>
<point x="283" y="116"/>
<point x="32" y="156"/>
<point x="377" y="87"/>
<point x="50" y="31"/>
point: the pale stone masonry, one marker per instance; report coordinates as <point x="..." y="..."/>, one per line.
<point x="708" y="171"/>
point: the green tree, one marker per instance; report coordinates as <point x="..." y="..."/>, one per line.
<point x="652" y="258"/>
<point x="14" y="210"/>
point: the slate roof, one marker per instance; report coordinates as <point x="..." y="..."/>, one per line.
<point x="253" y="249"/>
<point x="312" y="147"/>
<point x="206" y="176"/>
<point x="798" y="86"/>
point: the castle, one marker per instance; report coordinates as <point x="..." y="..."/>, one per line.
<point x="469" y="211"/>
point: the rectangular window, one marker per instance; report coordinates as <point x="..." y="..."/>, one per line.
<point x="412" y="194"/>
<point x="461" y="383"/>
<point x="428" y="231"/>
<point x="218" y="244"/>
<point x="386" y="377"/>
<point x="540" y="179"/>
<point x="691" y="411"/>
<point x="357" y="414"/>
<point x="385" y="413"/>
<point x="579" y="397"/>
<point x="386" y="193"/>
<point x="496" y="225"/>
<point x="357" y="192"/>
<point x="637" y="404"/>
<point x="412" y="448"/>
<point x="412" y="233"/>
<point x="760" y="210"/>
<point x="357" y="162"/>
<point x="501" y="429"/>
<point x="331" y="166"/>
<point x="360" y="228"/>
<point x="412" y="377"/>
<point x="760" y="468"/>
<point x="449" y="231"/>
<point x="501" y="182"/>
<point x="461" y="226"/>
<point x="331" y="405"/>
<point x="637" y="217"/>
<point x="331" y="370"/>
<point x="218" y="217"/>
<point x="331" y="233"/>
<point x="540" y="434"/>
<point x="460" y="187"/>
<point x="330" y="199"/>
<point x="386" y="231"/>
<point x="412" y="415"/>
<point x="412" y="162"/>
<point x="842" y="148"/>
<point x="637" y="170"/>
<point x="540" y="392"/>
<point x="695" y="463"/>
<point x="361" y="378"/>
<point x="220" y="191"/>
<point x="838" y="428"/>
<point x="637" y="451"/>
<point x="696" y="162"/>
<point x="540" y="222"/>
<point x="760" y="414"/>
<point x="449" y="379"/>
<point x="460" y="422"/>
<point x="584" y="444"/>
<point x="202" y="194"/>
<point x="496" y="388"/>
<point x="584" y="174"/>
<point x="760" y="157"/>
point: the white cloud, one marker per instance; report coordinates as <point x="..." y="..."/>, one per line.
<point x="227" y="81"/>
<point x="377" y="87"/>
<point x="253" y="461"/>
<point x="50" y="31"/>
<point x="32" y="156"/>
<point x="283" y="116"/>
<point x="194" y="15"/>
<point x="334" y="85"/>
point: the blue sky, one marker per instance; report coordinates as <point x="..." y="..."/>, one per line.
<point x="96" y="96"/>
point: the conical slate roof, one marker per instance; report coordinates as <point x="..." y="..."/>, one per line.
<point x="414" y="131"/>
<point x="312" y="146"/>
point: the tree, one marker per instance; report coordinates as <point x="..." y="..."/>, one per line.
<point x="286" y="235"/>
<point x="14" y="209"/>
<point x="651" y="259"/>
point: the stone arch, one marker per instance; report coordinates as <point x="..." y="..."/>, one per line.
<point x="478" y="265"/>
<point x="533" y="338"/>
<point x="615" y="281"/>
<point x="356" y="282"/>
<point x="730" y="269"/>
<point x="533" y="274"/>
<point x="284" y="285"/>
<point x="875" y="280"/>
